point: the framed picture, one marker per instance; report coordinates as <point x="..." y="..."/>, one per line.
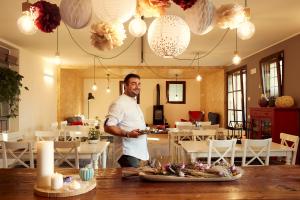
<point x="121" y="87"/>
<point x="175" y="92"/>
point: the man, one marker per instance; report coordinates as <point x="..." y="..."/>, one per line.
<point x="125" y="119"/>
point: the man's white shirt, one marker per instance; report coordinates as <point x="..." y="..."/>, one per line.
<point x="127" y="114"/>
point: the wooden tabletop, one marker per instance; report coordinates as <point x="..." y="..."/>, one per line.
<point x="271" y="182"/>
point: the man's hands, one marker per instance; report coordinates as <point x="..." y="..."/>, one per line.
<point x="134" y="133"/>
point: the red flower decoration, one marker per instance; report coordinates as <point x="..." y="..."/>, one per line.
<point x="185" y="4"/>
<point x="48" y="16"/>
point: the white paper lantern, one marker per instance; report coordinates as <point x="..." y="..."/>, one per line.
<point x="76" y="13"/>
<point x="111" y="11"/>
<point x="201" y="17"/>
<point x="137" y="27"/>
<point x="246" y="30"/>
<point x="168" y="36"/>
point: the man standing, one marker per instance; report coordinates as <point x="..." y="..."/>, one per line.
<point x="125" y="119"/>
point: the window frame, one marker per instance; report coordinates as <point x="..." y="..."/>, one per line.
<point x="242" y="70"/>
<point x="183" y="92"/>
<point x="276" y="57"/>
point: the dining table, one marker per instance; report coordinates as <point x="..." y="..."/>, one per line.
<point x="266" y="182"/>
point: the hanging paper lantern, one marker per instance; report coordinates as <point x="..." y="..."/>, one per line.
<point x="111" y="11"/>
<point x="230" y="16"/>
<point x="152" y="8"/>
<point x="168" y="36"/>
<point x="107" y="36"/>
<point x="246" y="30"/>
<point x="47" y="16"/>
<point x="201" y="17"/>
<point x="76" y="13"/>
<point x="185" y="4"/>
<point x="137" y="27"/>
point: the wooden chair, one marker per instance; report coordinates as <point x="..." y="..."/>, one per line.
<point x="13" y="152"/>
<point x="12" y="136"/>
<point x="256" y="149"/>
<point x="199" y="135"/>
<point x="46" y="135"/>
<point x="184" y="125"/>
<point x="77" y="135"/>
<point x="66" y="150"/>
<point x="223" y="149"/>
<point x="291" y="141"/>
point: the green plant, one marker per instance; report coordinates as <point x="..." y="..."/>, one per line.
<point x="10" y="89"/>
<point x="94" y="134"/>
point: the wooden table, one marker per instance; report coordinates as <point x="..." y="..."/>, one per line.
<point x="195" y="149"/>
<point x="270" y="182"/>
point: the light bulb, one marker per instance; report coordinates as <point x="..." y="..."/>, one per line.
<point x="57" y="59"/>
<point x="246" y="30"/>
<point x="108" y="90"/>
<point x="236" y="58"/>
<point x="94" y="87"/>
<point x="199" y="77"/>
<point x="26" y="23"/>
<point x="137" y="27"/>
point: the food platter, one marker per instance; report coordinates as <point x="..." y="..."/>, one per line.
<point x="163" y="178"/>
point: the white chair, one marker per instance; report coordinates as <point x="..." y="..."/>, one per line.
<point x="223" y="149"/>
<point x="291" y="141"/>
<point x="62" y="130"/>
<point x="199" y="135"/>
<point x="12" y="136"/>
<point x="215" y="127"/>
<point x="54" y="126"/>
<point x="65" y="151"/>
<point x="14" y="152"/>
<point x="256" y="149"/>
<point x="46" y="135"/>
<point x="77" y="135"/>
<point x="200" y="123"/>
<point x="184" y="125"/>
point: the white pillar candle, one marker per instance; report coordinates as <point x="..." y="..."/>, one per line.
<point x="57" y="181"/>
<point x="45" y="163"/>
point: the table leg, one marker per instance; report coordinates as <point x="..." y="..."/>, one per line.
<point x="95" y="160"/>
<point x="103" y="158"/>
<point x="288" y="158"/>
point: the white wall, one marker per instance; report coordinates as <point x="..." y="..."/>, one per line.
<point x="38" y="106"/>
<point x="172" y="112"/>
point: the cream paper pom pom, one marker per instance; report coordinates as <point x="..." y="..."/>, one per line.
<point x="230" y="16"/>
<point x="107" y="36"/>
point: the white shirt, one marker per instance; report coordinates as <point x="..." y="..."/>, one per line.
<point x="127" y="114"/>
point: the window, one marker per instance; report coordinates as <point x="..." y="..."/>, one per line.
<point x="236" y="96"/>
<point x="271" y="69"/>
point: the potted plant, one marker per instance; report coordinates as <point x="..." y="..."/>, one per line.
<point x="94" y="136"/>
<point x="10" y="89"/>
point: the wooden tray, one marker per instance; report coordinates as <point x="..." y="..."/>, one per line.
<point x="163" y="178"/>
<point x="65" y="191"/>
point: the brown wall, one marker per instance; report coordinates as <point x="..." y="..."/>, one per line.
<point x="213" y="94"/>
<point x="70" y="93"/>
<point x="291" y="48"/>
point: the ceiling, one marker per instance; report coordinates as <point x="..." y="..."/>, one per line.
<point x="275" y="20"/>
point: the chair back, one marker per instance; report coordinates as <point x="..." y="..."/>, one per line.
<point x="199" y="135"/>
<point x="223" y="149"/>
<point x="256" y="149"/>
<point x="12" y="136"/>
<point x="65" y="151"/>
<point x="15" y="152"/>
<point x="184" y="125"/>
<point x="46" y="135"/>
<point x="208" y="123"/>
<point x="77" y="135"/>
<point x="291" y="141"/>
<point x="215" y="126"/>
